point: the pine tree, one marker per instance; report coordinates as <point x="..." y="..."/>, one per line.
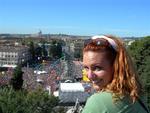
<point x="32" y="50"/>
<point x="17" y="80"/>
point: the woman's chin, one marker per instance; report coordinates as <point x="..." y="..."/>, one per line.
<point x="96" y="87"/>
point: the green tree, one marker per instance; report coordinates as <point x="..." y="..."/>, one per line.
<point x="17" y="80"/>
<point x="59" y="50"/>
<point x="44" y="51"/>
<point x="37" y="101"/>
<point x="32" y="50"/>
<point x="55" y="49"/>
<point x="140" y="52"/>
<point x="40" y="102"/>
<point x="38" y="52"/>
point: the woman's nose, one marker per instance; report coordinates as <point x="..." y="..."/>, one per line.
<point x="91" y="75"/>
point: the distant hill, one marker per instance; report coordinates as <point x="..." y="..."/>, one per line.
<point x="52" y="36"/>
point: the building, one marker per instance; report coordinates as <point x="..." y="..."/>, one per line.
<point x="76" y="47"/>
<point x="11" y="56"/>
<point x="69" y="93"/>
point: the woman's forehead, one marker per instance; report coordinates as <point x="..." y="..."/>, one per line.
<point x="91" y="57"/>
<point x="92" y="54"/>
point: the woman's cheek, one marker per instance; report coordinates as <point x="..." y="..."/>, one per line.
<point x="100" y="73"/>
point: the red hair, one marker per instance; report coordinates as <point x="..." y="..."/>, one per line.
<point x="125" y="79"/>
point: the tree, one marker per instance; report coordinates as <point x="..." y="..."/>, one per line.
<point x="40" y="102"/>
<point x="140" y="52"/>
<point x="55" y="50"/>
<point x="38" y="52"/>
<point x="32" y="50"/>
<point x="44" y="51"/>
<point x="17" y="80"/>
<point x="59" y="50"/>
<point x="37" y="101"/>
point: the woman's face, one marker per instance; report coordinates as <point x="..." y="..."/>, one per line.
<point x="99" y="69"/>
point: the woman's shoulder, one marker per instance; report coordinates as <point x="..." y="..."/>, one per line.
<point x="101" y="95"/>
<point x="98" y="103"/>
<point x="94" y="103"/>
<point x="104" y="102"/>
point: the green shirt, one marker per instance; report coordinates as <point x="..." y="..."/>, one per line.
<point x="103" y="103"/>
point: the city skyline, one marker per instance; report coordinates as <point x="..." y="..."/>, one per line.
<point x="77" y="17"/>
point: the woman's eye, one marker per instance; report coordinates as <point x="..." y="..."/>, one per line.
<point x="86" y="68"/>
<point x="97" y="68"/>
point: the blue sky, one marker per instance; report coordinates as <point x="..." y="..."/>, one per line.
<point x="76" y="17"/>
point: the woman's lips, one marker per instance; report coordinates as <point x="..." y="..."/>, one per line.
<point x="97" y="81"/>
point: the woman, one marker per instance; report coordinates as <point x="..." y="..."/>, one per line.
<point x="110" y="69"/>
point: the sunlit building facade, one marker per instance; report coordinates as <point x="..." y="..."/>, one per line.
<point x="11" y="56"/>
